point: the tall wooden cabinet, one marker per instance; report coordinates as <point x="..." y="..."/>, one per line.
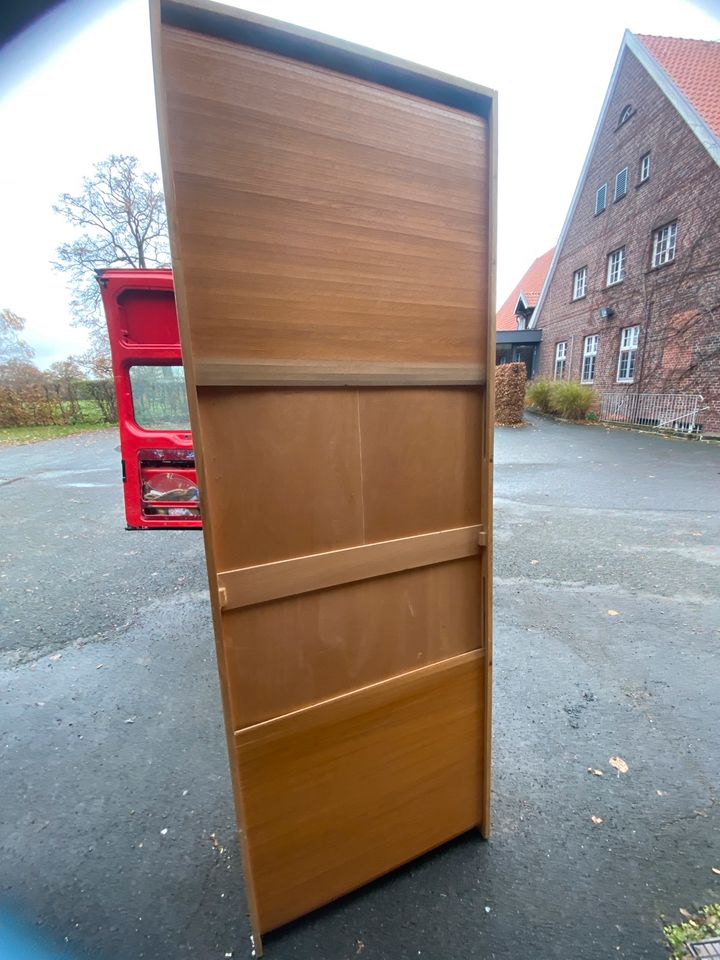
<point x="332" y="219"/>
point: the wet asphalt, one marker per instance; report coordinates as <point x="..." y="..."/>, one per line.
<point x="117" y="836"/>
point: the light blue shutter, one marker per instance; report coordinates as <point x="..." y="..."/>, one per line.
<point x="600" y="198"/>
<point x="621" y="183"/>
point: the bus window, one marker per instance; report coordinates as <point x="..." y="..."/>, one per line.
<point x="159" y="397"/>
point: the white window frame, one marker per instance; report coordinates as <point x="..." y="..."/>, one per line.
<point x="616" y="266"/>
<point x="560" y="359"/>
<point x="598" y="207"/>
<point x="627" y="112"/>
<point x="629" y="340"/>
<point x="664" y="244"/>
<point x="590" y="352"/>
<point x="645" y="167"/>
<point x="579" y="283"/>
<point x="618" y="180"/>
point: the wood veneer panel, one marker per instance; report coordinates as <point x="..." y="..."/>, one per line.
<point x="307" y="648"/>
<point x="323" y="217"/>
<point x="344" y="791"/>
<point x="282" y="471"/>
<point x="422" y="460"/>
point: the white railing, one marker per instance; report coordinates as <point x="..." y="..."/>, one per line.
<point x="669" y="411"/>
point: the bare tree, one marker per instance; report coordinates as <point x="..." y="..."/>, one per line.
<point x="120" y="219"/>
<point x="12" y="346"/>
<point x="65" y="370"/>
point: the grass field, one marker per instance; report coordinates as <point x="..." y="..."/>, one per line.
<point x="89" y="418"/>
<point x="10" y="436"/>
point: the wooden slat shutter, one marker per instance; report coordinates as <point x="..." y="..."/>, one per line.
<point x="332" y="217"/>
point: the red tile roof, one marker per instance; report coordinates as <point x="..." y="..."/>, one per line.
<point x="694" y="67"/>
<point x="530" y="287"/>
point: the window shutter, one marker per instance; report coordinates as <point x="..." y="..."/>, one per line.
<point x="621" y="183"/>
<point x="600" y="198"/>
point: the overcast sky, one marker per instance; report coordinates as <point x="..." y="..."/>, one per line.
<point x="82" y="92"/>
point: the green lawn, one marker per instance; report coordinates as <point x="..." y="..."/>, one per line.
<point x="10" y="436"/>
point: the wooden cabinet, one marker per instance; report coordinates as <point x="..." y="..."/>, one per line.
<point x="332" y="219"/>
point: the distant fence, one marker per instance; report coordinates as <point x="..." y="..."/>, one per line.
<point x="668" y="411"/>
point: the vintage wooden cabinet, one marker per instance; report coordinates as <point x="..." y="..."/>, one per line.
<point x="332" y="222"/>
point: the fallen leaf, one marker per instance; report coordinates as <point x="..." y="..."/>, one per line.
<point x="685" y="913"/>
<point x="596" y="820"/>
<point x="716" y="870"/>
<point x="216" y="844"/>
<point x="613" y="613"/>
<point x="619" y="764"/>
<point x="595" y="772"/>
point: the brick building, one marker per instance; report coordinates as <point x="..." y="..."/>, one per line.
<point x="631" y="303"/>
<point x="515" y="342"/>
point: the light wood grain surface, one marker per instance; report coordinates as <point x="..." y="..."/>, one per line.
<point x="323" y="218"/>
<point x="318" y="645"/>
<point x="304" y="471"/>
<point x="331" y="217"/>
<point x="340" y="793"/>
<point x="286" y="578"/>
<point x="336" y="373"/>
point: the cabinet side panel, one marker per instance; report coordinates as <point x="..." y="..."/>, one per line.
<point x="324" y="218"/>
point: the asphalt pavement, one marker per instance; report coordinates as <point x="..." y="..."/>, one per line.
<point x="117" y="835"/>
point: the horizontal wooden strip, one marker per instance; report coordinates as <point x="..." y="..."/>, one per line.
<point x="286" y="578"/>
<point x="229" y="373"/>
<point x="377" y="776"/>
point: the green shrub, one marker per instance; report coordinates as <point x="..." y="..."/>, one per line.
<point x="705" y="925"/>
<point x="538" y="395"/>
<point x="567" y="399"/>
<point x="571" y="400"/>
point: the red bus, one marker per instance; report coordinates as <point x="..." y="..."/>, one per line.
<point x="158" y="462"/>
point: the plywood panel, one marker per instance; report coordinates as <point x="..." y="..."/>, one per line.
<point x="342" y="792"/>
<point x="308" y="648"/>
<point x="323" y="217"/>
<point x="422" y="460"/>
<point x="283" y="471"/>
